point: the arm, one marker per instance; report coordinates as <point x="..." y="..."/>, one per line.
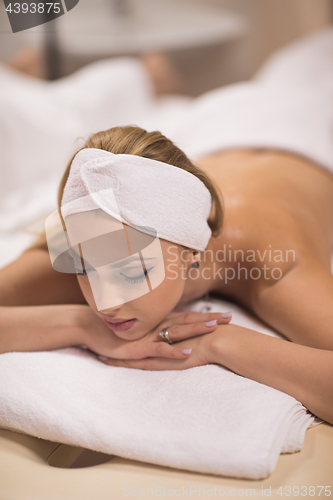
<point x="40" y="310"/>
<point x="31" y="280"/>
<point x="306" y="373"/>
<point x="39" y="328"/>
<point x="54" y="299"/>
<point x="43" y="328"/>
<point x="300" y="306"/>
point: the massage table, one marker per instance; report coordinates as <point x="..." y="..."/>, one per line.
<point x="35" y="469"/>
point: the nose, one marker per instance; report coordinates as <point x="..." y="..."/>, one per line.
<point x="112" y="312"/>
<point x="108" y="296"/>
<point x="110" y="299"/>
<point x="111" y="293"/>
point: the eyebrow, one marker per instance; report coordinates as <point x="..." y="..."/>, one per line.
<point x="129" y="260"/>
<point x="118" y="264"/>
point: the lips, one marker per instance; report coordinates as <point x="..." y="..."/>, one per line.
<point x="117" y="320"/>
<point x="119" y="325"/>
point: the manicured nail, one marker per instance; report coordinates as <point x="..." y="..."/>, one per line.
<point x="187" y="351"/>
<point x="103" y="358"/>
<point x="226" y="315"/>
<point x="211" y="323"/>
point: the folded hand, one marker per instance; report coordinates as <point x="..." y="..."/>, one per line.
<point x="187" y="330"/>
<point x="181" y="327"/>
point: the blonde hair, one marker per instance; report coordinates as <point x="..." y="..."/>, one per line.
<point x="134" y="140"/>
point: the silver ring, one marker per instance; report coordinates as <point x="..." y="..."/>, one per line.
<point x="165" y="335"/>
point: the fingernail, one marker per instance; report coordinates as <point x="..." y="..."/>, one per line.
<point x="226" y="315"/>
<point x="187" y="351"/>
<point x="102" y="358"/>
<point x="211" y="323"/>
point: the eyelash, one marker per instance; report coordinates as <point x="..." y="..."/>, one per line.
<point x="138" y="279"/>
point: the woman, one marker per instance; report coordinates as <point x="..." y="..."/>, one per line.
<point x="271" y="255"/>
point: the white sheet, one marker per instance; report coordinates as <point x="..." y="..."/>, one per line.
<point x="287" y="106"/>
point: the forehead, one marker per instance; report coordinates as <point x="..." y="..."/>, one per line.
<point x="87" y="225"/>
<point x="104" y="240"/>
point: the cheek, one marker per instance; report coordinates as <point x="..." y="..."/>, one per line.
<point x="159" y="302"/>
<point x="86" y="290"/>
<point x="175" y="274"/>
<point x="169" y="292"/>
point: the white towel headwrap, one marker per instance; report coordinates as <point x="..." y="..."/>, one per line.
<point x="139" y="191"/>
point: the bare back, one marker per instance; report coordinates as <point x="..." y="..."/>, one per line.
<point x="272" y="199"/>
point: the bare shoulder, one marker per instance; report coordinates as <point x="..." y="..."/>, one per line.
<point x="267" y="241"/>
<point x="300" y="304"/>
<point x="31" y="280"/>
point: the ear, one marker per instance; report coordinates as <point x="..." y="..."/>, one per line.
<point x="189" y="256"/>
<point x="194" y="256"/>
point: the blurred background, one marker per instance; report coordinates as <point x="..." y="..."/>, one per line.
<point x="209" y="42"/>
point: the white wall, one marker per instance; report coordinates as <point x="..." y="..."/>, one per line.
<point x="277" y="22"/>
<point x="273" y="23"/>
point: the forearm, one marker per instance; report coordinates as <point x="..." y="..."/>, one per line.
<point x="38" y="328"/>
<point x="306" y="373"/>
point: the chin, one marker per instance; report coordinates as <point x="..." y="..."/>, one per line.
<point x="129" y="336"/>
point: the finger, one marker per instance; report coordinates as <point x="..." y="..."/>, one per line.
<point x="157" y="349"/>
<point x="141" y="364"/>
<point x="147" y="364"/>
<point x="183" y="332"/>
<point x="189" y="317"/>
<point x="139" y="351"/>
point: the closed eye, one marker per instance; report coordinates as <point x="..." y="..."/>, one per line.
<point x="136" y="279"/>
